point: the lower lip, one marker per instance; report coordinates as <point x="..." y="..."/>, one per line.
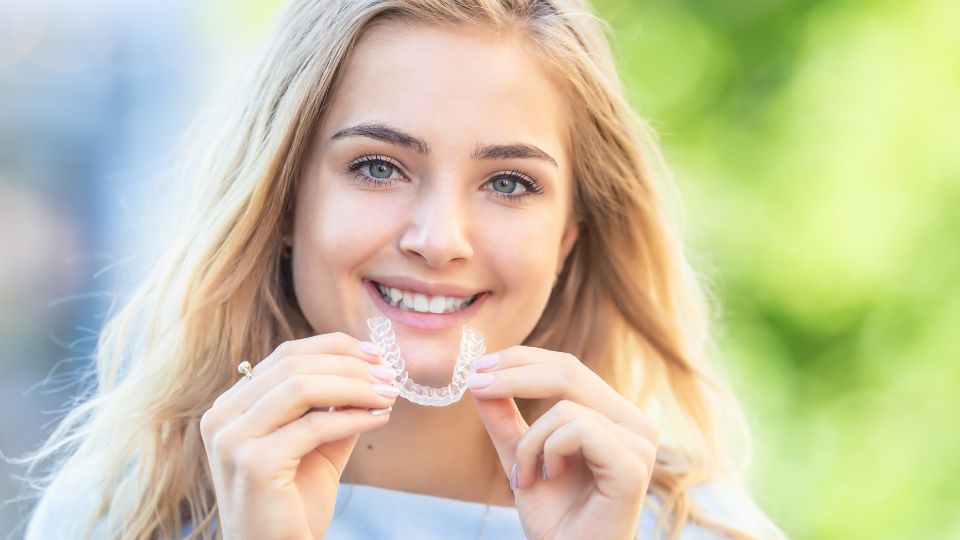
<point x="427" y="322"/>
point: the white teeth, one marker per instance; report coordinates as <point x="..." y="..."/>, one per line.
<point x="395" y="295"/>
<point x="422" y="303"/>
<point x="438" y="304"/>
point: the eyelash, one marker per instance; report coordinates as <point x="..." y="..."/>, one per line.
<point x="532" y="187"/>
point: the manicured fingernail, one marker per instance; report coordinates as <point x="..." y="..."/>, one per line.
<point x="386" y="390"/>
<point x="382" y="372"/>
<point x="381" y="412"/>
<point x="486" y="361"/>
<point x="370" y="348"/>
<point x="476" y="381"/>
<point x="513" y="477"/>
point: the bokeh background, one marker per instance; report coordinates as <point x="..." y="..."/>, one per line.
<point x="816" y="145"/>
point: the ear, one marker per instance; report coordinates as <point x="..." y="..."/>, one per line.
<point x="570" y="234"/>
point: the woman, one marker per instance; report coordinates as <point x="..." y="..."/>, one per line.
<point x="440" y="163"/>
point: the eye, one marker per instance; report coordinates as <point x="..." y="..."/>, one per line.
<point x="514" y="186"/>
<point x="380" y="169"/>
<point x="505" y="184"/>
<point x="374" y="170"/>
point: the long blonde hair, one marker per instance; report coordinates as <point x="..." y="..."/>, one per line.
<point x="626" y="303"/>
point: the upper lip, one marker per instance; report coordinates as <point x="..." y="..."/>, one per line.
<point x="423" y="287"/>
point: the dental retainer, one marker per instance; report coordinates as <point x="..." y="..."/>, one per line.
<point x="471" y="347"/>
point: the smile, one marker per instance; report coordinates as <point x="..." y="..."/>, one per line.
<point x="421" y="303"/>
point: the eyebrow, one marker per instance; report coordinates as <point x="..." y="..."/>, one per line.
<point x="392" y="135"/>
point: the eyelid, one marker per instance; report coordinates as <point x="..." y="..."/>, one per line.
<point x="371" y="158"/>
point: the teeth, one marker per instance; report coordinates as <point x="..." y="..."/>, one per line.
<point x="395" y="295"/>
<point x="422" y="303"/>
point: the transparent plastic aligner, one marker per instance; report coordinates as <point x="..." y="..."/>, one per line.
<point x="471" y="347"/>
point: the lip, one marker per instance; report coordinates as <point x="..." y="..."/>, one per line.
<point x="422" y="287"/>
<point x="426" y="322"/>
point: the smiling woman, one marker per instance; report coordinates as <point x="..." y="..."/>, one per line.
<point x="434" y="164"/>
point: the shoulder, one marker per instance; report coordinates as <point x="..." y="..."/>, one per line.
<point x="725" y="503"/>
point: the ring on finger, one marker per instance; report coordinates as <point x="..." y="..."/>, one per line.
<point x="244" y="369"/>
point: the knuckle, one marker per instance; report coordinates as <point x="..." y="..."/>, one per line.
<point x="297" y="386"/>
<point x="565" y="407"/>
<point x="341" y="338"/>
<point x="223" y="447"/>
<point x="525" y="448"/>
<point x="284" y="349"/>
<point x="649" y="428"/>
<point x="648" y="451"/>
<point x="208" y="424"/>
<point x="288" y="364"/>
<point x="571" y="365"/>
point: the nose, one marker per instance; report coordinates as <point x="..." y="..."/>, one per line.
<point x="438" y="230"/>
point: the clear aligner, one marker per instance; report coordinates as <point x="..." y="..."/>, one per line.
<point x="471" y="347"/>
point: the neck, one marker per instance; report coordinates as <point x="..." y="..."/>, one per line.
<point x="439" y="451"/>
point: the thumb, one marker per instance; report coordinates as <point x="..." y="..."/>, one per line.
<point x="504" y="424"/>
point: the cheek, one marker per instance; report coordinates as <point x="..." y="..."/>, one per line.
<point x="341" y="226"/>
<point x="524" y="257"/>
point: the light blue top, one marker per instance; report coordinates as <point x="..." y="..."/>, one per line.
<point x="367" y="512"/>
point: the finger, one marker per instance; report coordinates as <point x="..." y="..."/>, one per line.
<point x="249" y="391"/>
<point x="299" y="393"/>
<point x="618" y="473"/>
<point x="532" y="463"/>
<point x="534" y="373"/>
<point x="335" y="343"/>
<point x="332" y="343"/>
<point x="504" y="424"/>
<point x="317" y="428"/>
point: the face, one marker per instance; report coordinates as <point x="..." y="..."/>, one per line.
<point x="437" y="193"/>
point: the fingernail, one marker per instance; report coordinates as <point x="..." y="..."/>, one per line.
<point x="370" y="348"/>
<point x="486" y="361"/>
<point x="476" y="381"/>
<point x="513" y="477"/>
<point x="543" y="470"/>
<point x="382" y="372"/>
<point x="386" y="390"/>
<point x="381" y="412"/>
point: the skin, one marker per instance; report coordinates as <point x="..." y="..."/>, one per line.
<point x="438" y="220"/>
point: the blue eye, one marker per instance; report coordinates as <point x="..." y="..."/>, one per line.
<point x="505" y="186"/>
<point x="380" y="169"/>
<point x="506" y="183"/>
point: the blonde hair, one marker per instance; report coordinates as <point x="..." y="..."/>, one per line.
<point x="626" y="302"/>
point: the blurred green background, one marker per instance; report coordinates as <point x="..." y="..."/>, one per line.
<point x="816" y="146"/>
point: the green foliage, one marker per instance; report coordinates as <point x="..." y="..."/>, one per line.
<point x="816" y="145"/>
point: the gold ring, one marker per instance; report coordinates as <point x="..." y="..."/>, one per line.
<point x="244" y="369"/>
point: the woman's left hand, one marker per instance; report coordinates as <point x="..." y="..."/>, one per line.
<point x="598" y="448"/>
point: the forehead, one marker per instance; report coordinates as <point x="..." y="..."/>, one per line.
<point x="450" y="86"/>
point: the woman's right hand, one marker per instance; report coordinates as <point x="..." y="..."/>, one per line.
<point x="276" y="462"/>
